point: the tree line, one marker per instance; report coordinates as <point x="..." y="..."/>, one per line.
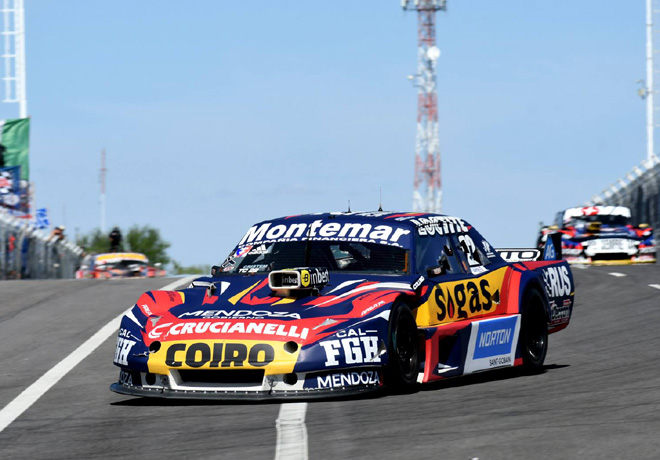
<point x="144" y="239"/>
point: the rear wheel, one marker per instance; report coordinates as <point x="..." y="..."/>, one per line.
<point x="534" y="332"/>
<point x="403" y="349"/>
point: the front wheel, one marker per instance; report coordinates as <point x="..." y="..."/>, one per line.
<point x="403" y="349"/>
<point x="534" y="333"/>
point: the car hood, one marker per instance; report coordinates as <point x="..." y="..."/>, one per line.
<point x="243" y="307"/>
<point x="606" y="231"/>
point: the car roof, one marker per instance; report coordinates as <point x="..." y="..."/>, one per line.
<point x="406" y="219"/>
<point x="392" y="228"/>
<point x="596" y="211"/>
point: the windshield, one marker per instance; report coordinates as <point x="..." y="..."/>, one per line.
<point x="333" y="255"/>
<point x="618" y="221"/>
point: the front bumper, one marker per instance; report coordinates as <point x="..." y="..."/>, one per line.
<point x="609" y="251"/>
<point x="325" y="384"/>
<point x="646" y="259"/>
<point x="235" y="395"/>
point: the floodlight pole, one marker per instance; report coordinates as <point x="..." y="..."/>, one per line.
<point x="13" y="32"/>
<point x="649" y="90"/>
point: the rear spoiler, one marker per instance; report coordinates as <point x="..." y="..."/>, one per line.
<point x="551" y="251"/>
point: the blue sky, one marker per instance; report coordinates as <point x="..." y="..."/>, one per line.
<point x="219" y="114"/>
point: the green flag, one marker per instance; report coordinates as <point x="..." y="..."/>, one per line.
<point x="15" y="144"/>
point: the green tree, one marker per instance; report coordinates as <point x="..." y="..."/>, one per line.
<point x="178" y="269"/>
<point x="145" y="239"/>
<point x="95" y="242"/>
<point x="148" y="241"/>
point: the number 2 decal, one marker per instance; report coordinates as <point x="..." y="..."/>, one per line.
<point x="468" y="247"/>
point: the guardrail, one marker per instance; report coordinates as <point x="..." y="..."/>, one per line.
<point x="639" y="190"/>
<point x="26" y="252"/>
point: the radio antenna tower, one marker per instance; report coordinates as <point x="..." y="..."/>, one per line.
<point x="427" y="195"/>
<point x="13" y="31"/>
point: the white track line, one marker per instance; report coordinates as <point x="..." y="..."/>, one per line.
<point x="618" y="275"/>
<point x="291" y="432"/>
<point x="657" y="286"/>
<point x="31" y="394"/>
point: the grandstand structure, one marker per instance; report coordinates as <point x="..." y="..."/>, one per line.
<point x="639" y="189"/>
<point x="27" y="251"/>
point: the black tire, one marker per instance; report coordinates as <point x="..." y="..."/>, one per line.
<point x="403" y="350"/>
<point x="534" y="332"/>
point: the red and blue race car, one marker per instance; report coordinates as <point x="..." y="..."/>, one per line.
<point x="601" y="235"/>
<point x="343" y="303"/>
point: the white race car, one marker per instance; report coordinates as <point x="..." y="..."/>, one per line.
<point x="602" y="235"/>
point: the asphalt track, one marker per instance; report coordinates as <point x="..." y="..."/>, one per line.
<point x="598" y="398"/>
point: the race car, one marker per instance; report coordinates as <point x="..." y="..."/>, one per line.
<point x="118" y="265"/>
<point x="343" y="303"/>
<point x="601" y="235"/>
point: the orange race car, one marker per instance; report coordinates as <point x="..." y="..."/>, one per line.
<point x="118" y="265"/>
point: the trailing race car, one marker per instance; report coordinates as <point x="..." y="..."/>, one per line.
<point x="341" y="303"/>
<point x="118" y="265"/>
<point x="601" y="235"/>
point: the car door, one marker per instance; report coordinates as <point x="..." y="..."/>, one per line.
<point x="470" y="285"/>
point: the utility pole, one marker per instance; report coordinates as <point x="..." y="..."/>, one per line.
<point x="13" y="31"/>
<point x="427" y="194"/>
<point x="102" y="178"/>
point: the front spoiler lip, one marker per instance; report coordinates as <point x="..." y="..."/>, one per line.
<point x="272" y="395"/>
<point x="613" y="262"/>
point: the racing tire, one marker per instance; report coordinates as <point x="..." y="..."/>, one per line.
<point x="403" y="350"/>
<point x="534" y="333"/>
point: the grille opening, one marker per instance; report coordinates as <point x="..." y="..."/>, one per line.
<point x="150" y="379"/>
<point x="290" y="379"/>
<point x="611" y="256"/>
<point x="238" y="376"/>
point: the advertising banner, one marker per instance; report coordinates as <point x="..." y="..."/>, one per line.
<point x="14" y="145"/>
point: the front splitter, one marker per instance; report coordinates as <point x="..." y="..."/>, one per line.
<point x="230" y="395"/>
<point x="611" y="262"/>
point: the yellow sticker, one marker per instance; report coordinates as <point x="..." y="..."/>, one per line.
<point x="304" y="278"/>
<point x="224" y="354"/>
<point x="461" y="300"/>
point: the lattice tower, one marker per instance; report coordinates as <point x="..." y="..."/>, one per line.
<point x="427" y="195"/>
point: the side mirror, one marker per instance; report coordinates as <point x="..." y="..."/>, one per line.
<point x="436" y="271"/>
